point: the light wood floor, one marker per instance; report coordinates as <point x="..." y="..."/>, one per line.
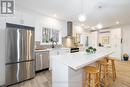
<point x="43" y="79"/>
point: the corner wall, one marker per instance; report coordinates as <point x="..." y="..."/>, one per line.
<point x="126" y="39"/>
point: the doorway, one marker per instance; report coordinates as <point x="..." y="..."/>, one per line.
<point x="111" y="38"/>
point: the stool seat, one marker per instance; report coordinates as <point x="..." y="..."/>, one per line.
<point x="103" y="62"/>
<point x="91" y="69"/>
<point x="111" y="58"/>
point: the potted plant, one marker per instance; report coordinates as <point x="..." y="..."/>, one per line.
<point x="94" y="50"/>
<point x="91" y="49"/>
<point x="125" y="56"/>
<point x="88" y="51"/>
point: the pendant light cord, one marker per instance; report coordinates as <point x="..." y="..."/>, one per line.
<point x="82" y="6"/>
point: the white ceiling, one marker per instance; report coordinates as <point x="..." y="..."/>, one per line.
<point x="111" y="11"/>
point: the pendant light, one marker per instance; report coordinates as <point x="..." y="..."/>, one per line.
<point x="82" y="16"/>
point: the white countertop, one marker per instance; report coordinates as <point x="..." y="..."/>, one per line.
<point x="41" y="50"/>
<point x="80" y="59"/>
<point x="49" y="49"/>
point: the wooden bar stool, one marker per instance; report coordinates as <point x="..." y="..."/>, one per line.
<point x="103" y="71"/>
<point x="111" y="62"/>
<point x="91" y="77"/>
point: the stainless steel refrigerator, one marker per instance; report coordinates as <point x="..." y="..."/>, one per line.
<point x="20" y="62"/>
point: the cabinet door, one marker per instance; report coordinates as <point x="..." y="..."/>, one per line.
<point x="39" y="64"/>
<point x="45" y="59"/>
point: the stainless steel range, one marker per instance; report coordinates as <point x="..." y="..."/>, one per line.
<point x="19" y="53"/>
<point x="73" y="50"/>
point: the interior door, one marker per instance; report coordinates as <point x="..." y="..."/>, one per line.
<point x="116" y="44"/>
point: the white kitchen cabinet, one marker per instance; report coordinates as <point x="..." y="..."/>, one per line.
<point x="55" y="52"/>
<point x="42" y="60"/>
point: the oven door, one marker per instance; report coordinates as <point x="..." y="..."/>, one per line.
<point x="73" y="50"/>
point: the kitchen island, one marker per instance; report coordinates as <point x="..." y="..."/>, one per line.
<point x="67" y="69"/>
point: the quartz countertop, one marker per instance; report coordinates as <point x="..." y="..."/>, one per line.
<point x="48" y="49"/>
<point x="81" y="59"/>
<point x="41" y="50"/>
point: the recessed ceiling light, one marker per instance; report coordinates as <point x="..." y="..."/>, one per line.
<point x="82" y="17"/>
<point x="117" y="22"/>
<point x="99" y="26"/>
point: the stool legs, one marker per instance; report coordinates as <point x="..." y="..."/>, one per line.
<point x="105" y="76"/>
<point x="103" y="72"/>
<point x="89" y="79"/>
<point x="113" y="70"/>
<point x="93" y="81"/>
<point x="112" y="61"/>
<point x="98" y="80"/>
<point x="99" y="71"/>
<point x="85" y="80"/>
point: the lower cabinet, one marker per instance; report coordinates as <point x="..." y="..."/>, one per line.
<point x="42" y="60"/>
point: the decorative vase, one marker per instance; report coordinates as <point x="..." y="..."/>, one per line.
<point x="126" y="58"/>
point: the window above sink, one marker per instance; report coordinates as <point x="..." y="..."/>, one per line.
<point x="50" y="35"/>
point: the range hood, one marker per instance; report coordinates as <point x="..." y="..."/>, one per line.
<point x="69" y="40"/>
<point x="69" y="28"/>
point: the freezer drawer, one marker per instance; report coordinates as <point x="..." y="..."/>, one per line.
<point x="19" y="72"/>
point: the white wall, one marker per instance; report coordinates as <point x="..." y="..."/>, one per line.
<point x="2" y="51"/>
<point x="28" y="18"/>
<point x="126" y="39"/>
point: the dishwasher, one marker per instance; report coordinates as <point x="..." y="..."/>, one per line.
<point x="42" y="60"/>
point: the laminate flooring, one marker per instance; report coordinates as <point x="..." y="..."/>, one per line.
<point x="43" y="79"/>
